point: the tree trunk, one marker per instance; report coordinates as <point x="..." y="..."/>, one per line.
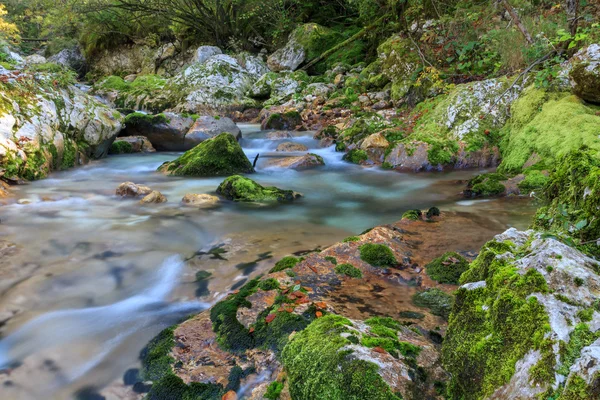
<point x="573" y="15"/>
<point x="515" y="17"/>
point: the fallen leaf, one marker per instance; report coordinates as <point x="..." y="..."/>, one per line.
<point x="319" y="314"/>
<point x="270" y="318"/>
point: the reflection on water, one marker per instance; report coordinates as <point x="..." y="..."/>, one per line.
<point x="85" y="251"/>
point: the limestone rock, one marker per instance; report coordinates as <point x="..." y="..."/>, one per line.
<point x="130" y="189"/>
<point x="136" y="144"/>
<point x="166" y="132"/>
<point x="238" y="188"/>
<point x="71" y="58"/>
<point x="207" y="127"/>
<point x="35" y="59"/>
<point x="289" y="120"/>
<point x="375" y="141"/>
<point x="203" y="53"/>
<point x="291" y="146"/>
<point x="585" y="73"/>
<point x="154" y="197"/>
<point x="200" y="200"/>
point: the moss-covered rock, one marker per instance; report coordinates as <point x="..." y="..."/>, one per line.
<point x="348" y="270"/>
<point x="220" y="156"/>
<point x="486" y="185"/>
<point x="439" y="302"/>
<point x="121" y="147"/>
<point x="318" y="368"/>
<point x="238" y="188"/>
<point x="548" y="125"/>
<point x="447" y="268"/>
<point x="356" y="156"/>
<point x="287" y="121"/>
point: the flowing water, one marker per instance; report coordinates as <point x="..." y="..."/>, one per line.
<point x="94" y="277"/>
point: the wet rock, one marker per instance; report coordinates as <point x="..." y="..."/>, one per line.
<point x="585" y="73"/>
<point x="166" y="132"/>
<point x="290" y="120"/>
<point x="130" y="189"/>
<point x="238" y="188"/>
<point x="278" y="135"/>
<point x="207" y="127"/>
<point x="155" y="197"/>
<point x="291" y="146"/>
<point x="375" y="141"/>
<point x="200" y="200"/>
<point x="298" y="163"/>
<point x="259" y="302"/>
<point x="134" y="144"/>
<point x="219" y="156"/>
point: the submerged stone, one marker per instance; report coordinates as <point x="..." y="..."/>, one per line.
<point x="219" y="156"/>
<point x="238" y="188"/>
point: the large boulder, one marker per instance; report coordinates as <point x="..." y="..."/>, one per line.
<point x="238" y="188"/>
<point x="585" y="73"/>
<point x="207" y="127"/>
<point x="166" y="131"/>
<point x="71" y="58"/>
<point x="304" y="43"/>
<point x="219" y="156"/>
<point x="289" y="120"/>
<point x="57" y="127"/>
<point x="131" y="144"/>
<point x="221" y="82"/>
<point x="279" y="87"/>
<point x="524" y="321"/>
<point x="399" y="60"/>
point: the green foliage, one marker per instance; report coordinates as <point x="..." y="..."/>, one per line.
<point x="219" y="156"/>
<point x="274" y="390"/>
<point x="138" y="118"/>
<point x="356" y="156"/>
<point x="317" y="369"/>
<point x="348" y="270"/>
<point x="378" y="255"/>
<point x="156" y="361"/>
<point x="534" y="180"/>
<point x="285" y="263"/>
<point x="573" y="201"/>
<point x="332" y="260"/>
<point x="351" y="239"/>
<point x="447" y="268"/>
<point x="578" y="339"/>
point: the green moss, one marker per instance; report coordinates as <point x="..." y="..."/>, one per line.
<point x="447" y="268"/>
<point x="549" y="125"/>
<point x="69" y="158"/>
<point x="172" y="387"/>
<point x="285" y="263"/>
<point x="351" y="239"/>
<point x="114" y="83"/>
<point x="534" y="180"/>
<point x="231" y="334"/>
<point x="332" y="260"/>
<point x="238" y="188"/>
<point x="121" y="147"/>
<point x="356" y="156"/>
<point x="578" y="339"/>
<point x="439" y="302"/>
<point x="318" y="369"/>
<point x="155" y="357"/>
<point x="274" y="390"/>
<point x="442" y="152"/>
<point x="287" y="121"/>
<point x="269" y="284"/>
<point x="413" y="215"/>
<point x="378" y="255"/>
<point x="219" y="156"/>
<point x="433" y="212"/>
<point x="494" y="326"/>
<point x="36" y="167"/>
<point x="578" y="389"/>
<point x="137" y="118"/>
<point x="348" y="270"/>
<point x="276" y="334"/>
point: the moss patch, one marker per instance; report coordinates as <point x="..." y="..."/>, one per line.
<point x="219" y="156"/>
<point x="439" y="302"/>
<point x="348" y="270"/>
<point x="447" y="268"/>
<point x="378" y="255"/>
<point x="121" y="147"/>
<point x="285" y="263"/>
<point x="486" y="185"/>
